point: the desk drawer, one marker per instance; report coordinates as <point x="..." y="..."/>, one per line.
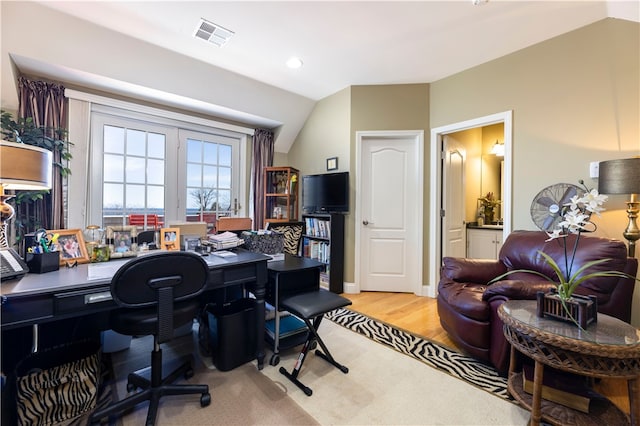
<point x="83" y="301"/>
<point x="17" y="311"/>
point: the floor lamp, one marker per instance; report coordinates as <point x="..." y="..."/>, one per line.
<point x="623" y="177"/>
<point x="22" y="167"/>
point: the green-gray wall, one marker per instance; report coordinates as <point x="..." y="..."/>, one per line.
<point x="575" y="99"/>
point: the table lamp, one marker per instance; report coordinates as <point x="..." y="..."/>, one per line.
<point x="623" y="177"/>
<point x="22" y="167"/>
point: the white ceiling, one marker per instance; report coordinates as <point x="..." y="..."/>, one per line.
<point x="345" y="43"/>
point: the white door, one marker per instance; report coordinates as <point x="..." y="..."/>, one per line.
<point x="389" y="211"/>
<point x="453" y="223"/>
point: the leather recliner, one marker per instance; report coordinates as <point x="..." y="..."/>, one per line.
<point x="468" y="304"/>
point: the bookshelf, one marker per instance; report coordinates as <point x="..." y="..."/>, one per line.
<point x="280" y="194"/>
<point x="323" y="240"/>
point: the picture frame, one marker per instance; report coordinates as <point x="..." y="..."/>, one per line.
<point x="122" y="241"/>
<point x="332" y="163"/>
<point x="70" y="244"/>
<point x="170" y="239"/>
<point x="190" y="242"/>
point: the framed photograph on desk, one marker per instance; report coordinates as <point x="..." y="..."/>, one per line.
<point x="122" y="241"/>
<point x="70" y="245"/>
<point x="170" y="239"/>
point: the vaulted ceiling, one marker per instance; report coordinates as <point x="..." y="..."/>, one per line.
<point x="346" y="43"/>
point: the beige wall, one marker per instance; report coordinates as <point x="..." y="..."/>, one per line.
<point x="330" y="131"/>
<point x="575" y="99"/>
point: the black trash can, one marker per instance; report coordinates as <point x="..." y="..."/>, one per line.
<point x="232" y="333"/>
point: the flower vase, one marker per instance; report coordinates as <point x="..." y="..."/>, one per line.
<point x="578" y="309"/>
<point x="488" y="215"/>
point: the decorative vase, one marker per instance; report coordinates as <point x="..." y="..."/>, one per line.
<point x="488" y="215"/>
<point x="578" y="309"/>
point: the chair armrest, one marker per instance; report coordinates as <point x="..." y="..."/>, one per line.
<point x="479" y="271"/>
<point x="516" y="289"/>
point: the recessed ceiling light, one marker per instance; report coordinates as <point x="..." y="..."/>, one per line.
<point x="213" y="33"/>
<point x="294" y="62"/>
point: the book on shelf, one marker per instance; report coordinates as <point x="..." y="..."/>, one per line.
<point x="289" y="325"/>
<point x="562" y="388"/>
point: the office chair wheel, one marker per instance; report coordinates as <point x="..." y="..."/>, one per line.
<point x="205" y="399"/>
<point x="131" y="387"/>
<point x="188" y="374"/>
<point x="275" y="360"/>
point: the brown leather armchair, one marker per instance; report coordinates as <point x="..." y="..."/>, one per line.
<point x="468" y="305"/>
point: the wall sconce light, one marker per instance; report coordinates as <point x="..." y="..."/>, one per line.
<point x="498" y="149"/>
<point x="623" y="177"/>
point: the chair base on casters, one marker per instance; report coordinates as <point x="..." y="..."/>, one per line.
<point x="311" y="308"/>
<point x="155" y="388"/>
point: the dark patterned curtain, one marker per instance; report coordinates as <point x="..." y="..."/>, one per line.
<point x="262" y="157"/>
<point x="46" y="104"/>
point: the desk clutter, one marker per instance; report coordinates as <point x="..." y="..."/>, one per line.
<point x="267" y="242"/>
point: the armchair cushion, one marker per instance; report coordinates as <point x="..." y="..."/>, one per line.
<point x="516" y="289"/>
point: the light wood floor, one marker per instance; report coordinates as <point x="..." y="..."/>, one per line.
<point x="419" y="315"/>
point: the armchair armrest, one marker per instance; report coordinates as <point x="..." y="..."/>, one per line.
<point x="516" y="289"/>
<point x="479" y="271"/>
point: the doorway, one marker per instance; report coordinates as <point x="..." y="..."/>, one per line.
<point x="436" y="190"/>
<point x="388" y="221"/>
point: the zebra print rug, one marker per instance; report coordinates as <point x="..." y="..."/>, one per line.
<point x="437" y="356"/>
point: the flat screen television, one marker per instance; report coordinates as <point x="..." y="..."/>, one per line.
<point x="326" y="193"/>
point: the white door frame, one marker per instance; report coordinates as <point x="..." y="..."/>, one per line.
<point x="418" y="136"/>
<point x="436" y="185"/>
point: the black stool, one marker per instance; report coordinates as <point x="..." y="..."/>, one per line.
<point x="311" y="308"/>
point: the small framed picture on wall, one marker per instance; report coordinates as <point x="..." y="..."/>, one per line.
<point x="332" y="163"/>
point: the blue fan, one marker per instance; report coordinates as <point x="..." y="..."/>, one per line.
<point x="548" y="205"/>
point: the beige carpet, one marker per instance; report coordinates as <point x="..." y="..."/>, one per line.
<point x="383" y="387"/>
<point x="242" y="396"/>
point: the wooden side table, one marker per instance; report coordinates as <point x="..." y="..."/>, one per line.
<point x="607" y="348"/>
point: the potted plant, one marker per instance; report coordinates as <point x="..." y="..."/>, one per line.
<point x="24" y="130"/>
<point x="576" y="220"/>
<point x="488" y="203"/>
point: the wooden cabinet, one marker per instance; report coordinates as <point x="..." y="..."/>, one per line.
<point x="323" y="240"/>
<point x="483" y="243"/>
<point x="280" y="194"/>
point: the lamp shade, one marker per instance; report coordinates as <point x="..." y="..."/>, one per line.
<point x="619" y="176"/>
<point x="25" y="167"/>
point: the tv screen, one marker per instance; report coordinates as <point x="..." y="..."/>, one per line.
<point x="326" y="193"/>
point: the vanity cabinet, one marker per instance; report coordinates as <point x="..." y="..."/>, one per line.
<point x="483" y="243"/>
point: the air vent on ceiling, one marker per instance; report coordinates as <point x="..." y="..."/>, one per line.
<point x="213" y="33"/>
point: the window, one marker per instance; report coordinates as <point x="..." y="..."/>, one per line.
<point x="133" y="180"/>
<point x="142" y="164"/>
<point x="211" y="171"/>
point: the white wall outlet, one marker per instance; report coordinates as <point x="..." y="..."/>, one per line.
<point x="594" y="169"/>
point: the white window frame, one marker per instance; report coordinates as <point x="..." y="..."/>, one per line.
<point x="86" y="204"/>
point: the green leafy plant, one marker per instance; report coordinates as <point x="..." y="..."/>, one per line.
<point x="23" y="130"/>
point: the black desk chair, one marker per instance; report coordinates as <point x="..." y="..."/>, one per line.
<point x="310" y="303"/>
<point x="157" y="293"/>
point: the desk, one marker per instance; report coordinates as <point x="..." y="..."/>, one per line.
<point x="608" y="348"/>
<point x="85" y="290"/>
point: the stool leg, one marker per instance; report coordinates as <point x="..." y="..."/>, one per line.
<point x="293" y="376"/>
<point x="313" y="337"/>
<point x="325" y="354"/>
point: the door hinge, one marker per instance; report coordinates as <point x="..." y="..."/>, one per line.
<point x="442" y="213"/>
